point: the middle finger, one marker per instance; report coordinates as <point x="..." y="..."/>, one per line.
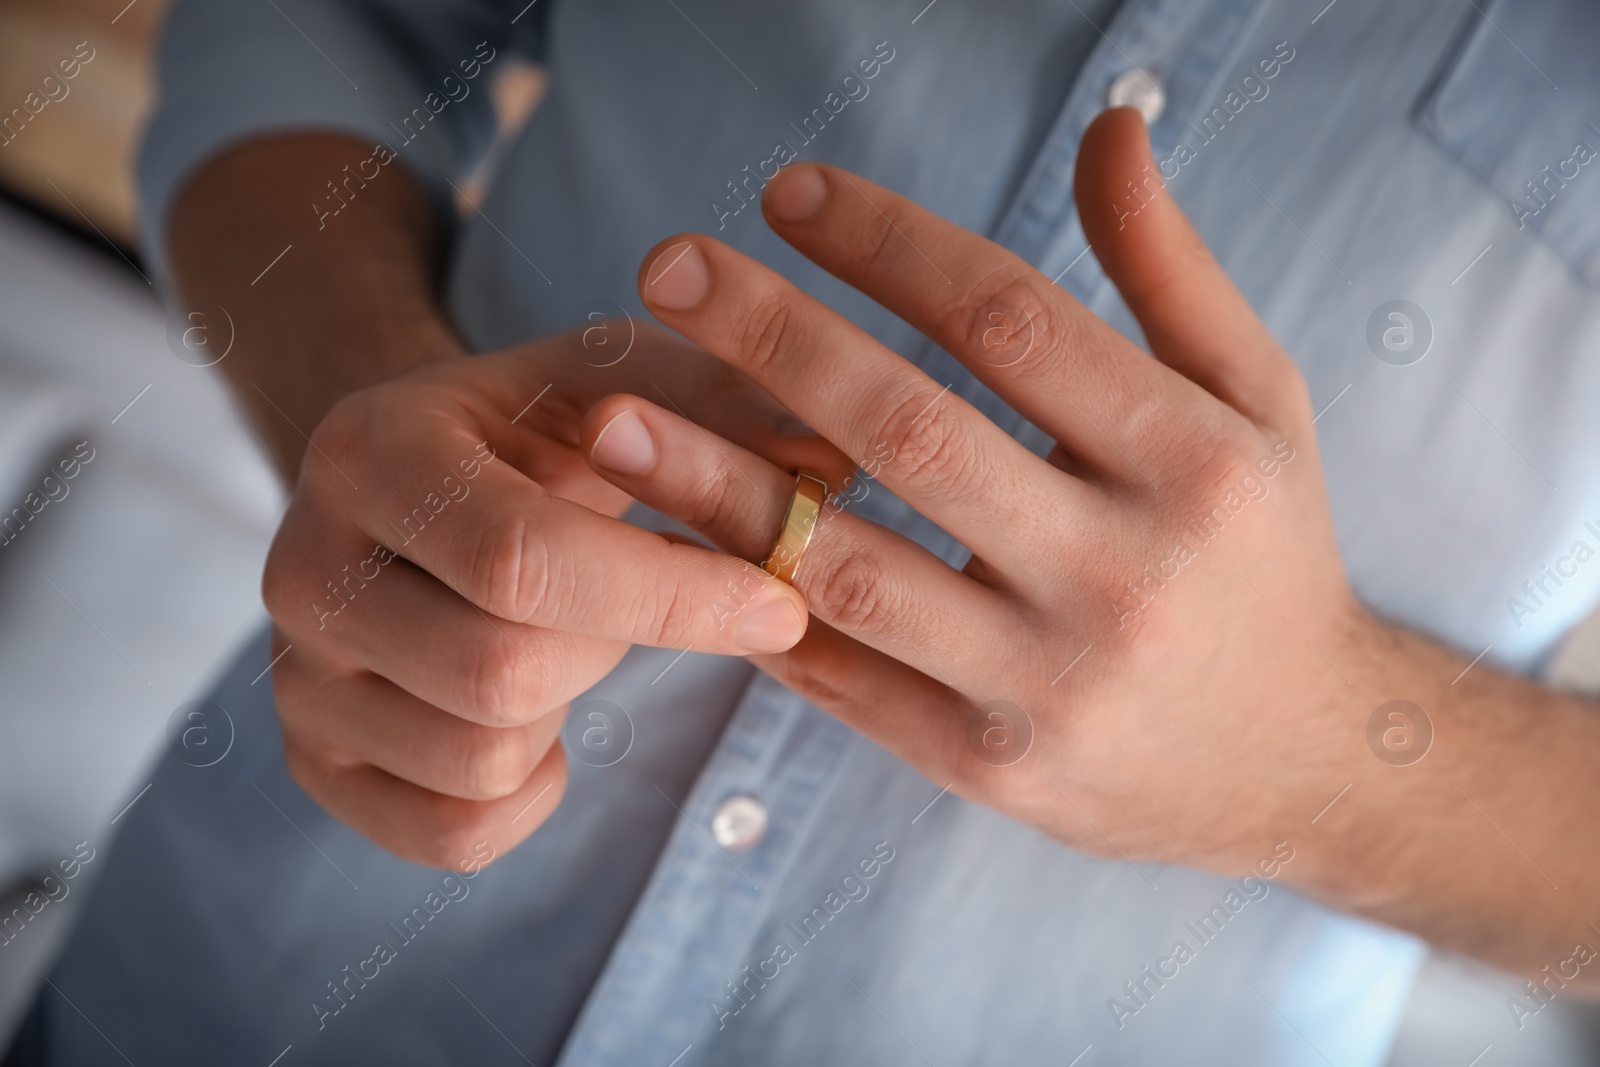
<point x="872" y="584"/>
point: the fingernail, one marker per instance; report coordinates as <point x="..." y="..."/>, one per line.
<point x="796" y="194"/>
<point x="625" y="446"/>
<point x="772" y="627"/>
<point x="678" y="279"/>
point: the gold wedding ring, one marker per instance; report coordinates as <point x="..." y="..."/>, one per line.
<point x="805" y="507"/>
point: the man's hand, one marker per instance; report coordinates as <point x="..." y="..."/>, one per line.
<point x="1145" y="732"/>
<point x="1154" y="652"/>
<point x="424" y="692"/>
<point x="451" y="573"/>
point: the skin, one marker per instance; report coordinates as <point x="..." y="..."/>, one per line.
<point x="1224" y="716"/>
<point x="1217" y="720"/>
<point x="425" y="711"/>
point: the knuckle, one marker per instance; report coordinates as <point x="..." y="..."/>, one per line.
<point x="491" y="680"/>
<point x="288" y="578"/>
<point x="501" y="683"/>
<point x="850" y="592"/>
<point x="664" y="617"/>
<point x="469" y="832"/>
<point x="496" y="762"/>
<point x="931" y="447"/>
<point x="340" y="434"/>
<point x="1221" y="475"/>
<point x="768" y="333"/>
<point x="462" y="831"/>
<point x="1182" y="442"/>
<point x="508" y="569"/>
<point x="1223" y="463"/>
<point x="277" y="580"/>
<point x="308" y="772"/>
<point x="711" y="502"/>
<point x="872" y="253"/>
<point x="1012" y="316"/>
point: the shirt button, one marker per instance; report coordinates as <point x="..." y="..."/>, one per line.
<point x="739" y="822"/>
<point x="1137" y="89"/>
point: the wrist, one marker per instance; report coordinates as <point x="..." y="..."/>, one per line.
<point x="1458" y="824"/>
<point x="289" y="379"/>
<point x="1373" y="788"/>
<point x="340" y="305"/>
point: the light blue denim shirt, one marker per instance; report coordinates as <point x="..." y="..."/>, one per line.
<point x="1337" y="159"/>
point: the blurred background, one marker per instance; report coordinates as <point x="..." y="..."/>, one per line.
<point x="123" y="597"/>
<point x="120" y="599"/>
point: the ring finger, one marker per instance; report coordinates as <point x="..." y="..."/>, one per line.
<point x="866" y="581"/>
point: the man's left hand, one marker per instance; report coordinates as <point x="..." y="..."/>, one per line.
<point x="1153" y="652"/>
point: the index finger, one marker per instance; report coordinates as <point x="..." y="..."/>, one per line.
<point x="515" y="551"/>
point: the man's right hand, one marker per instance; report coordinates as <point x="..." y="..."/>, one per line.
<point x="423" y="697"/>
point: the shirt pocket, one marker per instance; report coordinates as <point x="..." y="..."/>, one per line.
<point x="1518" y="104"/>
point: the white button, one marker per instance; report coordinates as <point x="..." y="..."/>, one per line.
<point x="1137" y="89"/>
<point x="739" y="823"/>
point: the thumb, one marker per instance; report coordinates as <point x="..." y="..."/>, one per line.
<point x="1196" y="320"/>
